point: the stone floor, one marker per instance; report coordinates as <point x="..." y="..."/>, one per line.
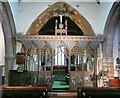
<point x="62" y="94"/>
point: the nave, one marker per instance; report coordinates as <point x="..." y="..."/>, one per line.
<point x="64" y="48"/>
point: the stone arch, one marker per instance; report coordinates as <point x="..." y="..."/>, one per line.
<point x="74" y="15"/>
<point x="109" y="31"/>
<point x="9" y="32"/>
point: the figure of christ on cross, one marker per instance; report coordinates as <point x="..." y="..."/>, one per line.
<point x="61" y="15"/>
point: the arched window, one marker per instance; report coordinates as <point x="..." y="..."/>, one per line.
<point x="59" y="55"/>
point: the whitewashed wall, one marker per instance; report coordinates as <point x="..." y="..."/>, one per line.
<point x="95" y="14"/>
<point x="14" y="9"/>
<point x="104" y="12"/>
<point x="28" y="13"/>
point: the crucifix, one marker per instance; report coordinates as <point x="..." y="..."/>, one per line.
<point x="61" y="15"/>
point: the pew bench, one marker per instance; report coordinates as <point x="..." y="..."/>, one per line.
<point x="24" y="92"/>
<point x="98" y="92"/>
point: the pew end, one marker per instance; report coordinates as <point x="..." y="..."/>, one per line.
<point x="98" y="92"/>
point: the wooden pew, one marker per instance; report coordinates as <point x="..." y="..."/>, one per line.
<point x="24" y="92"/>
<point x="98" y="92"/>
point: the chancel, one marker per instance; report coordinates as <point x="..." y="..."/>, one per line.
<point x="56" y="49"/>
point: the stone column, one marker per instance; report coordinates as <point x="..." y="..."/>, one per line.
<point x="9" y="64"/>
<point x="0" y="66"/>
<point x="1" y="71"/>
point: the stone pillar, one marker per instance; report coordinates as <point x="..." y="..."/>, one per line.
<point x="1" y="71"/>
<point x="9" y="64"/>
<point x="0" y="66"/>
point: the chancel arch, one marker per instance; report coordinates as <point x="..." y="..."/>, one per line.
<point x="63" y="9"/>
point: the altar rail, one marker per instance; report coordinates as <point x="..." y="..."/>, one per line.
<point x="98" y="92"/>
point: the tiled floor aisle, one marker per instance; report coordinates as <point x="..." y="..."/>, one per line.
<point x="62" y="94"/>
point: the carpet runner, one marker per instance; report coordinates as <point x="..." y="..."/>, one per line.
<point x="60" y="82"/>
<point x="60" y="85"/>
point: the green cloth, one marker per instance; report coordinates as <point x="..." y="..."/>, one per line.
<point x="59" y="75"/>
<point x="60" y="85"/>
<point x="60" y="80"/>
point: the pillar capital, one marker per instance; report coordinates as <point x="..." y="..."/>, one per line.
<point x="10" y="57"/>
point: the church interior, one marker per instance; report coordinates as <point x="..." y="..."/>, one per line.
<point x="60" y="48"/>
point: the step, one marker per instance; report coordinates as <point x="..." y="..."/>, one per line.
<point x="62" y="93"/>
<point x="60" y="85"/>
